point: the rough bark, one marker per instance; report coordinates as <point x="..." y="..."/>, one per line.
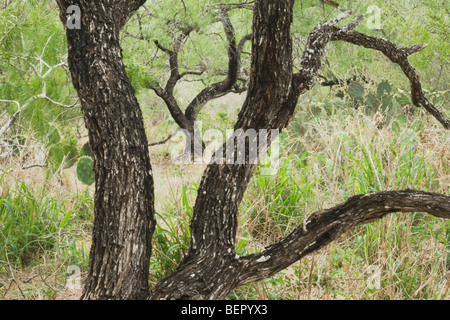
<point x="321" y="228"/>
<point x="123" y="202"/>
<point x="210" y="268"/>
<point x="207" y="271"/>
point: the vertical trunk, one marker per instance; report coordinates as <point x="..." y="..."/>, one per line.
<point x="209" y="269"/>
<point x="124" y="209"/>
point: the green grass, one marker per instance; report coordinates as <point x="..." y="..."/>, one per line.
<point x="344" y="155"/>
<point x="38" y="229"/>
<point x="326" y="158"/>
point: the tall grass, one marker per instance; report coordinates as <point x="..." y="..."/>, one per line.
<point x="171" y="237"/>
<point x="38" y="231"/>
<point x="404" y="256"/>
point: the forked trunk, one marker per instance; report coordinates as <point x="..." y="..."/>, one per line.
<point x="210" y="268"/>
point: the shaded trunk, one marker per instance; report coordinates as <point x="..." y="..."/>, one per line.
<point x="208" y="271"/>
<point x="123" y="203"/>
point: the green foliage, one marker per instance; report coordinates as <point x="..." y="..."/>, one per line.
<point x="384" y="88"/>
<point x="285" y="196"/>
<point x="85" y="170"/>
<point x="356" y="91"/>
<point x="86" y="150"/>
<point x="30" y="31"/>
<point x="327" y="159"/>
<point x="33" y="225"/>
<point x="171" y="237"/>
<point x="63" y="153"/>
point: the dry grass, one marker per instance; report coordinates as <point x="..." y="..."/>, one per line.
<point x="407" y="254"/>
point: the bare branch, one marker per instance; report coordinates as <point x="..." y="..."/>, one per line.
<point x="225" y="86"/>
<point x="164" y="49"/>
<point x="21" y="108"/>
<point x="400" y="57"/>
<point x="34" y="166"/>
<point x="64" y="106"/>
<point x="230" y="6"/>
<point x="163" y="141"/>
<point x="331" y="3"/>
<point x="321" y="228"/>
<point x="323" y="33"/>
<point x="14" y="117"/>
<point x="196" y="73"/>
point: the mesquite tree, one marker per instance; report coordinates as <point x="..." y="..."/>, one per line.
<point x="232" y="81"/>
<point x="124" y="208"/>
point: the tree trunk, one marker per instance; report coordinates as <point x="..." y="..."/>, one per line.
<point x="211" y="269"/>
<point x="124" y="208"/>
<point x="208" y="270"/>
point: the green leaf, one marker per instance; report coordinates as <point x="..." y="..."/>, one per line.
<point x="53" y="137"/>
<point x="65" y="151"/>
<point x="86" y="150"/>
<point x="403" y="100"/>
<point x="395" y="126"/>
<point x="356" y="91"/>
<point x="417" y="125"/>
<point x="372" y="102"/>
<point x="85" y="170"/>
<point x="383" y="88"/>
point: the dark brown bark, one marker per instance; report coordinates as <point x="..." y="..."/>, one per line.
<point x="124" y="209"/>
<point x="211" y="269"/>
<point x="207" y="271"/>
<point x="321" y="228"/>
<point x="124" y="224"/>
<point x="398" y="56"/>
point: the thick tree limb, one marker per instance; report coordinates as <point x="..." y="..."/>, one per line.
<point x="321" y="228"/>
<point x="210" y="268"/>
<point x="400" y="57"/>
<point x="323" y="33"/>
<point x="124" y="193"/>
<point x="128" y="8"/>
<point x="269" y="104"/>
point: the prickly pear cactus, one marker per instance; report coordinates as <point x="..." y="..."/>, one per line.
<point x="383" y="88"/>
<point x="85" y="170"/>
<point x="86" y="150"/>
<point x="356" y="90"/>
<point x="372" y="103"/>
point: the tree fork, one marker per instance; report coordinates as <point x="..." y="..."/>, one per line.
<point x="210" y="269"/>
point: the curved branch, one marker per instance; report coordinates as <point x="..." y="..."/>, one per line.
<point x="400" y="57"/>
<point x="128" y="8"/>
<point x="173" y="57"/>
<point x="225" y="86"/>
<point x="323" y="33"/>
<point x="167" y="93"/>
<point x="321" y="228"/>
